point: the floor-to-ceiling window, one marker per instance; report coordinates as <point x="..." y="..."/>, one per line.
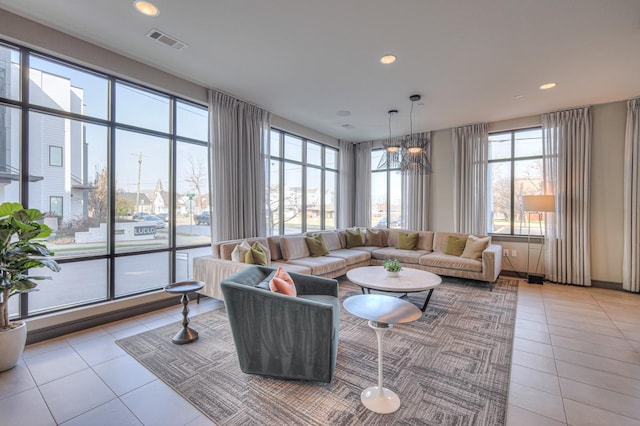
<point x="386" y="193"/>
<point x="303" y="178"/>
<point x="515" y="169"/>
<point x="119" y="170"/>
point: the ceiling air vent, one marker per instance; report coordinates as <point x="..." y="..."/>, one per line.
<point x="166" y="39"/>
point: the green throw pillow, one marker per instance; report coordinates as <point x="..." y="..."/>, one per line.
<point x="257" y="255"/>
<point x="407" y="241"/>
<point x="455" y="245"/>
<point x="316" y="245"/>
<point x="354" y="238"/>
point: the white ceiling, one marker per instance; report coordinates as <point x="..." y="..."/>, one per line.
<point x="304" y="60"/>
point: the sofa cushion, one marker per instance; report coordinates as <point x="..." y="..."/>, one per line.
<point x="225" y="248"/>
<point x="317" y="246"/>
<point x="239" y="252"/>
<point x="425" y="238"/>
<point x="455" y="245"/>
<point x="440" y="240"/>
<point x="351" y="256"/>
<point x="290" y="267"/>
<point x="475" y="246"/>
<point x="441" y="260"/>
<point x="274" y="247"/>
<point x="332" y="239"/>
<point x="258" y="255"/>
<point x="407" y="241"/>
<point x="376" y="237"/>
<point x="404" y="256"/>
<point x="321" y="265"/>
<point x="294" y="247"/>
<point x="354" y="238"/>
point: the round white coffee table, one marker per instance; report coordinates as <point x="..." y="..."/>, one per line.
<point x="382" y="312"/>
<point x="409" y="281"/>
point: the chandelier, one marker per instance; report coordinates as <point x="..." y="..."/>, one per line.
<point x="409" y="154"/>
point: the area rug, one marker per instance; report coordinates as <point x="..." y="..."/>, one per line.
<point x="451" y="367"/>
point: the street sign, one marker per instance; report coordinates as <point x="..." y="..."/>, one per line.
<point x="191" y="196"/>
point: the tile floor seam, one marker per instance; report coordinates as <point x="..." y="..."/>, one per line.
<point x="599" y="387"/>
<point x="538" y="414"/>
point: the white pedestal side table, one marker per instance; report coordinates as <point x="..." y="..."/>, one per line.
<point x="382" y="312"/>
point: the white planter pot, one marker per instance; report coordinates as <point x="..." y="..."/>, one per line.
<point x="11" y="346"/>
<point x="393" y="274"/>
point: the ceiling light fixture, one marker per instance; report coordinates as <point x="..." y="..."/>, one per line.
<point x="547" y="86"/>
<point x="414" y="148"/>
<point x="392" y="157"/>
<point x="388" y="59"/>
<point x="146" y="8"/>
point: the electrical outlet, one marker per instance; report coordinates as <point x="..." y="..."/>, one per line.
<point x="506" y="253"/>
<point x="514" y="253"/>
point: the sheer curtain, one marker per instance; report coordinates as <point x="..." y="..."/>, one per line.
<point x="631" y="254"/>
<point x="566" y="138"/>
<point x="239" y="135"/>
<point x="362" y="193"/>
<point x="471" y="162"/>
<point x="416" y="197"/>
<point x="347" y="185"/>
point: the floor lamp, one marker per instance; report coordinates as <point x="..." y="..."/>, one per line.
<point x="538" y="204"/>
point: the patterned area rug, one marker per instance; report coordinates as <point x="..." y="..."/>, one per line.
<point x="451" y="367"/>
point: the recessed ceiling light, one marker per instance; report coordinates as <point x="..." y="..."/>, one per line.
<point x="518" y="97"/>
<point x="388" y="59"/>
<point x="548" y="86"/>
<point x="146" y="8"/>
<point x="348" y="126"/>
<point x="343" y="113"/>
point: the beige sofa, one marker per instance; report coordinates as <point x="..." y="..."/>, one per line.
<point x="291" y="252"/>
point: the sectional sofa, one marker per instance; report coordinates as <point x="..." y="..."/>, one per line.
<point x="292" y="253"/>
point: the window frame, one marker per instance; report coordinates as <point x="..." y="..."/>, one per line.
<point x="61" y="151"/>
<point x="282" y="159"/>
<point x="25" y="107"/>
<point x="512" y="160"/>
<point x="388" y="171"/>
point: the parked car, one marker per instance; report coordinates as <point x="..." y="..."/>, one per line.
<point x="163" y="216"/>
<point x="382" y="223"/>
<point x="202" y="219"/>
<point x="159" y="223"/>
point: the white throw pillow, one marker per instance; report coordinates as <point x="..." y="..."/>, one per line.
<point x="475" y="246"/>
<point x="238" y="253"/>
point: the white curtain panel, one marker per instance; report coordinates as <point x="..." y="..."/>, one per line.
<point x="347" y="185"/>
<point x="566" y="137"/>
<point x="471" y="162"/>
<point x="631" y="253"/>
<point x="416" y="197"/>
<point x="239" y="134"/>
<point x="362" y="193"/>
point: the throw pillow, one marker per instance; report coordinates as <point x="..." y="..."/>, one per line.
<point x="354" y="238"/>
<point x="375" y="238"/>
<point x="264" y="284"/>
<point x="240" y="251"/>
<point x="475" y="246"/>
<point x="278" y="285"/>
<point x="282" y="283"/>
<point x="316" y="245"/>
<point x="407" y="241"/>
<point x="455" y="245"/>
<point x="257" y="255"/>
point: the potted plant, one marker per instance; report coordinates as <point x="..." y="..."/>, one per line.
<point x="20" y="251"/>
<point x="393" y="267"/>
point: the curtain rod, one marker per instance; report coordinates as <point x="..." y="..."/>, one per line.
<point x="238" y="99"/>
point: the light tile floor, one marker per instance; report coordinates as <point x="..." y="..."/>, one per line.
<point x="576" y="357"/>
<point x="576" y="361"/>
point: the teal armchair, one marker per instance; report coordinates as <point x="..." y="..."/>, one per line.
<point x="284" y="336"/>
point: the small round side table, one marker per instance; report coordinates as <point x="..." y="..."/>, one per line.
<point x="382" y="312"/>
<point x="186" y="334"/>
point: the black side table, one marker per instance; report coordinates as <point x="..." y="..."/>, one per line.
<point x="186" y="335"/>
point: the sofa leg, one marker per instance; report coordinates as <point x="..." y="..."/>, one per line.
<point x="491" y="286"/>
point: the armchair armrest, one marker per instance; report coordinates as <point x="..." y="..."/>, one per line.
<point x="309" y="284"/>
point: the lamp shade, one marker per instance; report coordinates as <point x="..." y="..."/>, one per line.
<point x="538" y="203"/>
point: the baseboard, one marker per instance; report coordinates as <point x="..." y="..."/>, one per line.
<point x="606" y="284"/>
<point x="58" y="330"/>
